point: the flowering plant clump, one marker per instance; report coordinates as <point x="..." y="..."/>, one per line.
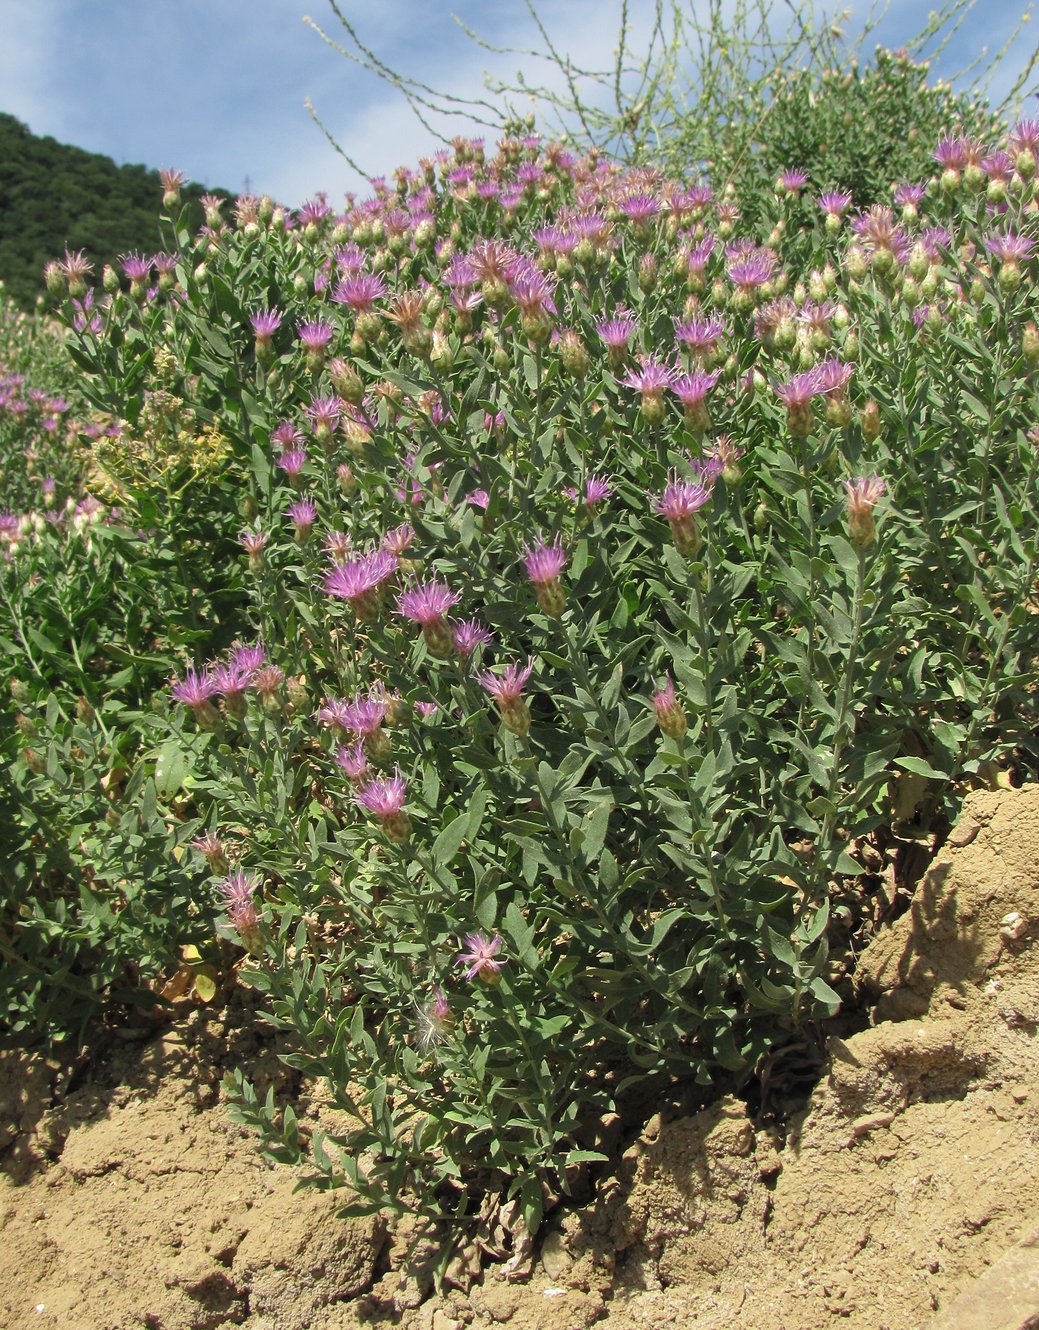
<point x="645" y="571"/>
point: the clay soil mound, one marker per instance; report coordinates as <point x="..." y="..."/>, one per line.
<point x="130" y="1202"/>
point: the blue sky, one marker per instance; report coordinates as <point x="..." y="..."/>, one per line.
<point x="217" y="87"/>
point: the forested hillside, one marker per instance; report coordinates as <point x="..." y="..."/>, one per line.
<point x="53" y="195"/>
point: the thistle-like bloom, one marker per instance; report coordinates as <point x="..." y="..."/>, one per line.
<point x="668" y="710"/>
<point x="679" y="504"/>
<point x="691" y="390"/>
<point x="399" y="539"/>
<point x="212" y="848"/>
<point x="835" y="203"/>
<point x="230" y="681"/>
<point x="468" y="635"/>
<point x="315" y="335"/>
<point x="136" y="268"/>
<point x="507" y="691"/>
<point x="265" y="324"/>
<point x="338" y="544"/>
<point x="426" y="604"/>
<point x="434" y="1020"/>
<point x="544" y="563"/>
<point x="360" y="580"/>
<point x="596" y="490"/>
<point x="1009" y="246"/>
<point x="353" y="761"/>
<point x="863" y="493"/>
<point x="360" y="292"/>
<point x="303" y="515"/>
<point x="650" y="380"/>
<point x="285" y="435"/>
<point x="196" y="691"/>
<point x="750" y="272"/>
<point x="617" y="332"/>
<point x="700" y="335"/>
<point x="798" y="394"/>
<point x="238" y="890"/>
<point x="292" y="461"/>
<point x="249" y="657"/>
<point x="324" y="414"/>
<point x="791" y="182"/>
<point x="480" y="957"/>
<point x="254" y="543"/>
<point x="266" y="683"/>
<point x="384" y="798"/>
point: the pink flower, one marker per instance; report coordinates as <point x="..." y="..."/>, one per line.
<point x="427" y="602"/>
<point x="544" y="562"/>
<point x="359" y="580"/>
<point x="506" y="688"/>
<point x="384" y="799"/>
<point x="468" y="635"/>
<point x="353" y="761"/>
<point x="480" y="957"/>
<point x="237" y="891"/>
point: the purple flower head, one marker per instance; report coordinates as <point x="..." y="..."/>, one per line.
<point x="424" y="710"/>
<point x="801" y="388"/>
<point x="1024" y="137"/>
<point x="691" y="389"/>
<point x="835" y="203"/>
<point x="399" y="539"/>
<point x="359" y="577"/>
<point x="315" y="334"/>
<point x="699" y="255"/>
<point x="1009" y="246"/>
<point x="480" y="957"/>
<point x="303" y="514"/>
<point x="360" y="292"/>
<point x="352" y="760"/>
<point x="254" y="542"/>
<point x="863" y="492"/>
<point x="266" y="323"/>
<point x="248" y="658"/>
<point x="314" y="210"/>
<point x="597" y="488"/>
<point x="468" y="635"/>
<point x="700" y="334"/>
<point x="231" y="680"/>
<point x="907" y="195"/>
<point x="998" y="165"/>
<point x="752" y="271"/>
<point x="237" y="891"/>
<point x="194" y="689"/>
<point x="292" y="461"/>
<point x="506" y="688"/>
<point x="428" y="602"/>
<point x="792" y="181"/>
<point x="639" y="207"/>
<point x="832" y="376"/>
<point x="650" y="379"/>
<point x="681" y="498"/>
<point x="532" y="292"/>
<point x="286" y="435"/>
<point x="617" y="332"/>
<point x="952" y="154"/>
<point x="325" y="412"/>
<point x="383" y="797"/>
<point x="544" y="562"/>
<point x="135" y="267"/>
<point x="479" y="499"/>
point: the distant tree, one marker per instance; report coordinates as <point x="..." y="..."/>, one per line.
<point x="54" y="196"/>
